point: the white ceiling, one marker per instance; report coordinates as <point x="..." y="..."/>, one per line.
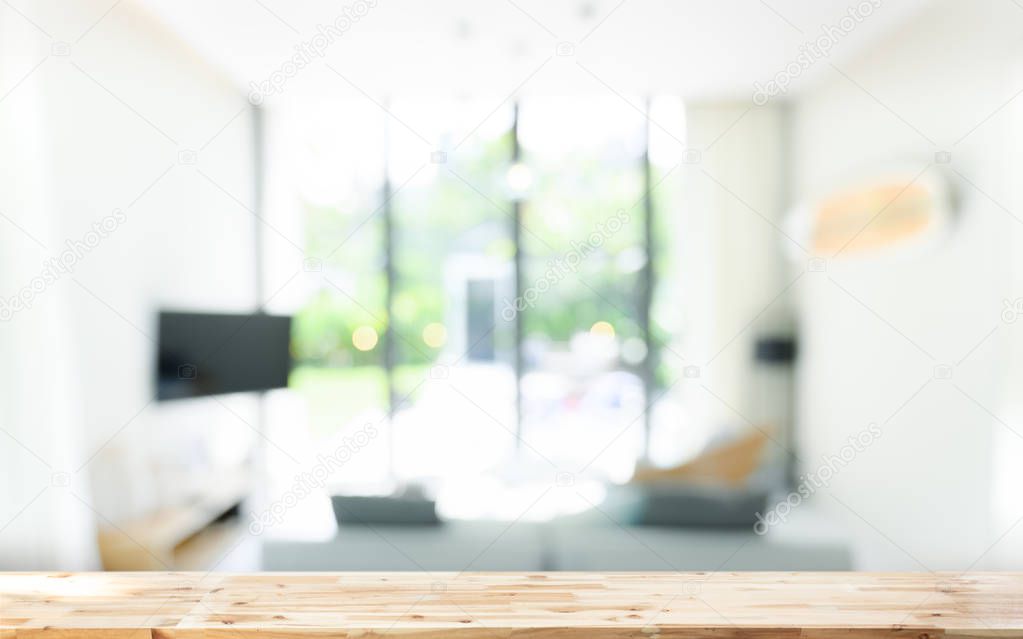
<point x="696" y="49"/>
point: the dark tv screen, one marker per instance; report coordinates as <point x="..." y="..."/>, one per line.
<point x="215" y="353"/>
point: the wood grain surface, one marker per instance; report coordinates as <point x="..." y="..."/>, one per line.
<point x="533" y="605"/>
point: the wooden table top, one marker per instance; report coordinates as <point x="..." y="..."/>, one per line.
<point x="533" y="605"/>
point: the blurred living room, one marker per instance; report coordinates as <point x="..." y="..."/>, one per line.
<point x="511" y="285"/>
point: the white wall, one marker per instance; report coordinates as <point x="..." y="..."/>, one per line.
<point x="931" y="492"/>
<point x="85" y="134"/>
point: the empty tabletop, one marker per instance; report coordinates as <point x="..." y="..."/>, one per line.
<point x="535" y="605"/>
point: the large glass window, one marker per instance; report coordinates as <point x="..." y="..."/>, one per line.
<point x="454" y="381"/>
<point x="488" y="296"/>
<point x="583" y="259"/>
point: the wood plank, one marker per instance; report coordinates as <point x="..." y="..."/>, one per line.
<point x="533" y="605"/>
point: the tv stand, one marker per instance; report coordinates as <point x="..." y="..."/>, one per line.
<point x="192" y="536"/>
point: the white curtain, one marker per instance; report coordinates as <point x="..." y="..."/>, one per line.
<point x="43" y="523"/>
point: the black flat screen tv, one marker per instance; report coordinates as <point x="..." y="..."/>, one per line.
<point x="201" y="354"/>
